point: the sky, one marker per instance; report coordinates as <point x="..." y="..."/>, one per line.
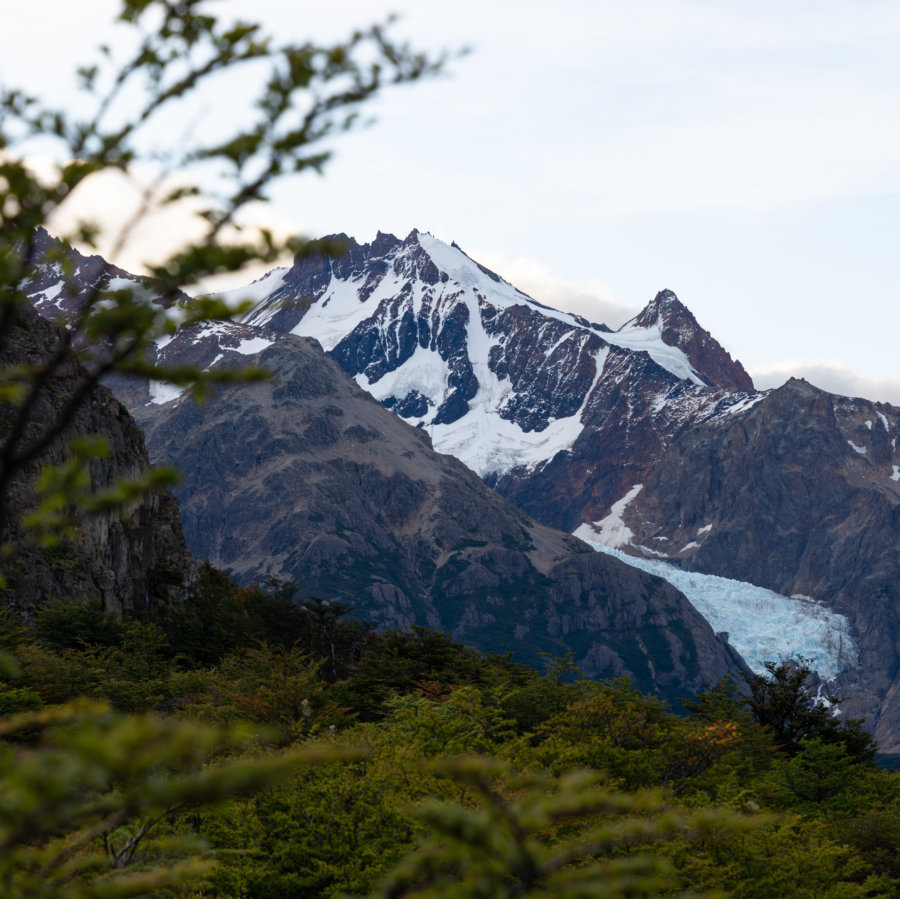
<point x="746" y="156"/>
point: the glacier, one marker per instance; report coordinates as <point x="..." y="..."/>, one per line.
<point x="761" y="625"/>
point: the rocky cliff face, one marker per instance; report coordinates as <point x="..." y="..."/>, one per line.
<point x="635" y="411"/>
<point x="306" y="476"/>
<point x="800" y="494"/>
<point x="678" y="328"/>
<point x="126" y="562"/>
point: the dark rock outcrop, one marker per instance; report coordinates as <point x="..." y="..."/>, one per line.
<point x="128" y="561"/>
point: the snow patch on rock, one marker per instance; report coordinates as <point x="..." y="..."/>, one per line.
<point x="161" y="392"/>
<point x="612" y="530"/>
<point x="252" y="345"/>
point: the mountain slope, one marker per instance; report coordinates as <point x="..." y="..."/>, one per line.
<point x="800" y="494"/>
<point x="306" y="476"/>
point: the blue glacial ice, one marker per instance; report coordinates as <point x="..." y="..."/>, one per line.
<point x="761" y="625"/>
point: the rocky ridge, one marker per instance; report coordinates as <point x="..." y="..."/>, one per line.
<point x="126" y="561"/>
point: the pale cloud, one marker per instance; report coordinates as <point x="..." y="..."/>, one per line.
<point x="833" y="377"/>
<point x="593" y="301"/>
<point x="138" y="231"/>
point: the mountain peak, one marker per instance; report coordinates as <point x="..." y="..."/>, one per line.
<point x="679" y="328"/>
<point x="666" y="310"/>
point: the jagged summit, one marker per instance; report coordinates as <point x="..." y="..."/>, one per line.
<point x="677" y="327"/>
<point x="58" y="293"/>
<point x="498" y="379"/>
<point x="675" y="322"/>
<point x="305" y="476"/>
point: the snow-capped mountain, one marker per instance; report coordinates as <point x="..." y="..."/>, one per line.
<point x="59" y="286"/>
<point x="649" y="440"/>
<point x="497" y="379"/>
<point x="306" y="476"/>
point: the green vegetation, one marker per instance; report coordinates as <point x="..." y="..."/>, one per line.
<point x="246" y="745"/>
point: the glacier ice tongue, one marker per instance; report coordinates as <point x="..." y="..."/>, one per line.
<point x="761" y="625"/>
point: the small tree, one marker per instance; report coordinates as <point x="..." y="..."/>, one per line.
<point x="785" y="702"/>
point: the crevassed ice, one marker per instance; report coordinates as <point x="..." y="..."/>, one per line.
<point x="761" y="625"/>
<point x="424" y="372"/>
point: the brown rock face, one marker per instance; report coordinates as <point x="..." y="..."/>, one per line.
<point x="307" y="476"/>
<point x="679" y="328"/>
<point x="128" y="562"/>
<point x="631" y="416"/>
<point x="802" y="496"/>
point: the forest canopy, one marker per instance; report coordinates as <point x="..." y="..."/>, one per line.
<point x="250" y="744"/>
